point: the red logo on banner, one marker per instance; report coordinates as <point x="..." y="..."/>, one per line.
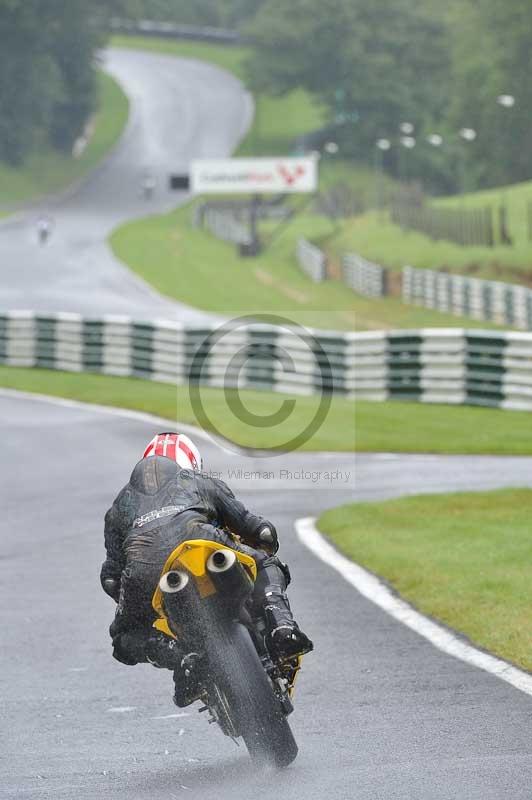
<point x="291" y="176"/>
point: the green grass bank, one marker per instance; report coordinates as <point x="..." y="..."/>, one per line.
<point x="464" y="559"/>
<point x="364" y="426"/>
<point x="376" y="238"/>
<point x="191" y="265"/>
<point x="408" y="427"/>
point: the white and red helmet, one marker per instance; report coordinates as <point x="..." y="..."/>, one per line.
<point x="178" y="447"/>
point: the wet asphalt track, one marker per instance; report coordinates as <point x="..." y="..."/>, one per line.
<point x="380" y="712"/>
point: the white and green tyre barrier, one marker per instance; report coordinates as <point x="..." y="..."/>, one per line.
<point x="312" y="260"/>
<point x="492" y="301"/>
<point x="446" y="365"/>
<point x="364" y="277"/>
<point x="433" y="365"/>
<point x="238" y="354"/>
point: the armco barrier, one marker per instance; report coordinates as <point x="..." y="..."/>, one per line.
<point x="311" y="260"/>
<point x="364" y="277"/>
<point x="446" y="365"/>
<point x="169" y="30"/>
<point x="492" y="301"/>
<point x="253" y="355"/>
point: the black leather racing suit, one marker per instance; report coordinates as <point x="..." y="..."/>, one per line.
<point x="161" y="506"/>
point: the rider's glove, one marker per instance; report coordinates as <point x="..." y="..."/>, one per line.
<point x="267" y="538"/>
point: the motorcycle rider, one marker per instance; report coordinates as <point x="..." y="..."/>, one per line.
<point x="44" y="229"/>
<point x="168" y="500"/>
<point x="148" y="185"/>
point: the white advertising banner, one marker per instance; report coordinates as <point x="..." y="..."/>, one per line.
<point x="254" y="175"/>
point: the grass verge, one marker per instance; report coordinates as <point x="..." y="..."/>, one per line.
<point x="174" y="403"/>
<point x="193" y="266"/>
<point x="181" y="261"/>
<point x="372" y="427"/>
<point x="404" y="427"/>
<point x="49" y="171"/>
<point x="464" y="559"/>
<point x="376" y="238"/>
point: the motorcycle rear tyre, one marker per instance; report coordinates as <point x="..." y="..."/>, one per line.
<point x="256" y="710"/>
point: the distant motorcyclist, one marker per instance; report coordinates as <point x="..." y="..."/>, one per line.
<point x="44" y="229"/>
<point x="148" y="185"/>
<point x="168" y="500"/>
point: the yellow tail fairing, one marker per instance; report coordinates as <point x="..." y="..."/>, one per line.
<point x="192" y="556"/>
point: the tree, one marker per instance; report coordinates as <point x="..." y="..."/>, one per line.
<point x="492" y="57"/>
<point x="362" y="60"/>
<point x="47" y="79"/>
<point x="221" y="13"/>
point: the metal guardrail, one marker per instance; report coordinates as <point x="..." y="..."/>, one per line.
<point x="312" y="261"/>
<point x="491" y="301"/>
<point x="364" y="277"/>
<point x="257" y="356"/>
<point x="170" y="30"/>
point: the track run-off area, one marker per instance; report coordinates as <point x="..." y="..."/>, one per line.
<point x="380" y="712"/>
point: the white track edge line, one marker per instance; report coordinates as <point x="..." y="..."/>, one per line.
<point x="230" y="448"/>
<point x="374" y="590"/>
<point x="128" y="413"/>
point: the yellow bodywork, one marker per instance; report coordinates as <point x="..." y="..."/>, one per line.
<point x="192" y="556"/>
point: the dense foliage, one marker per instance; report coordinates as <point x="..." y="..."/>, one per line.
<point x="47" y="87"/>
<point x="372" y="66"/>
<point x="439" y="66"/>
<point x="218" y="13"/>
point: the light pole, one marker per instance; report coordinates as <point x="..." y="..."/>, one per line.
<point x="381" y="147"/>
<point x="468" y="135"/>
<point x="408" y="142"/>
<point x="506" y="102"/>
<point x="406" y="130"/>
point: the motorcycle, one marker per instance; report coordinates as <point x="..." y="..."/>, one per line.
<point x="202" y="601"/>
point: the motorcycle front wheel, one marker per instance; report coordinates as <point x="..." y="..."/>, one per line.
<point x="254" y="707"/>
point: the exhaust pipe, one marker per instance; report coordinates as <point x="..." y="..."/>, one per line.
<point x="178" y="597"/>
<point x="221" y="561"/>
<point x="174" y="581"/>
<point x="228" y="575"/>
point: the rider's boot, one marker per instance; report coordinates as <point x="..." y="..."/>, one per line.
<point x="162" y="651"/>
<point x="284" y="637"/>
<point x="141" y="645"/>
<point x="188" y="680"/>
